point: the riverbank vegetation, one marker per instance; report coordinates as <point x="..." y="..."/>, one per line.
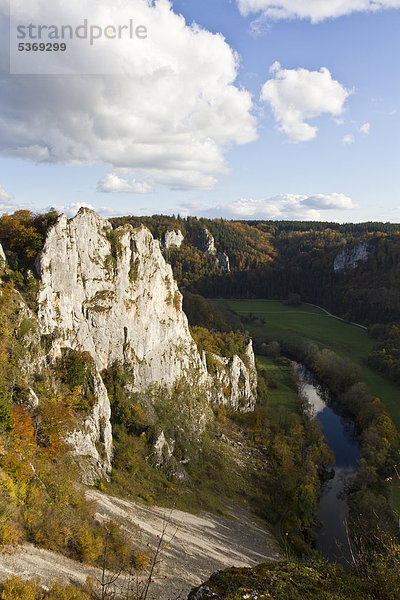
<point x="370" y="496"/>
<point x="278" y="321"/>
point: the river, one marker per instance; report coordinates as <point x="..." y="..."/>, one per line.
<point x="332" y="514"/>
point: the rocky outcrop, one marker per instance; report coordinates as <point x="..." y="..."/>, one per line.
<point x="2" y="255"/>
<point x="222" y="260"/>
<point x="92" y="441"/>
<point x="237" y="380"/>
<point x="111" y="293"/>
<point x="173" y="239"/>
<point x="207" y="245"/>
<point x="350" y="257"/>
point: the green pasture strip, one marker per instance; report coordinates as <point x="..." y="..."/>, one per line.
<point x="313" y="324"/>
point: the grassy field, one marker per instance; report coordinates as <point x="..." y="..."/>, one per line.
<point x="313" y="324"/>
<point x="282" y="397"/>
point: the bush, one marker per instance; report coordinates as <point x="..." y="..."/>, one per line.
<point x="16" y="588"/>
<point x="76" y="370"/>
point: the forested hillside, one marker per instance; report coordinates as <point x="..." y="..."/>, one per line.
<point x="352" y="270"/>
<point x="234" y="433"/>
<point x="271" y="259"/>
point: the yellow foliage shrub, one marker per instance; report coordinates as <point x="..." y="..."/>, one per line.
<point x="9" y="534"/>
<point x="69" y="592"/>
<point x="16" y="588"/>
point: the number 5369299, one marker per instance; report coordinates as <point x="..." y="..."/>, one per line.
<point x="42" y="47"/>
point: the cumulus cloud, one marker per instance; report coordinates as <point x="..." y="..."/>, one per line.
<point x="297" y="95"/>
<point x="283" y="206"/>
<point x="366" y="128"/>
<point x="349" y="139"/>
<point x="329" y="202"/>
<point x="167" y="119"/>
<point x="314" y="10"/>
<point x="112" y="184"/>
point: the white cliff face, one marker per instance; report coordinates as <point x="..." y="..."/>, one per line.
<point x="118" y="305"/>
<point x="111" y="293"/>
<point x="92" y="442"/>
<point x="238" y="381"/>
<point x="208" y="243"/>
<point x="223" y="261"/>
<point x="350" y="257"/>
<point x="2" y="255"/>
<point x="173" y="239"/>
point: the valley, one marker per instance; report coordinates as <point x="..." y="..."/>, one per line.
<point x="125" y="396"/>
<point x="277" y="320"/>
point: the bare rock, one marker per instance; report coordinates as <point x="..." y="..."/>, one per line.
<point x="173" y="239"/>
<point x="350" y="257"/>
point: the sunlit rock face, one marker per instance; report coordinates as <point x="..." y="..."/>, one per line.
<point x="207" y="243"/>
<point x="238" y="381"/>
<point x="173" y="239"/>
<point x="2" y="255"/>
<point x="92" y="441"/>
<point x="111" y="293"/>
<point x="350" y="257"/>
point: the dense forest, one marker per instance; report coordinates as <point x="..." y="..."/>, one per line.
<point x="272" y="259"/>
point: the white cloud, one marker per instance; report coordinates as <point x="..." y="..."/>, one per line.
<point x="284" y="206"/>
<point x="5" y="196"/>
<point x="349" y="139"/>
<point x="329" y="202"/>
<point x="366" y="128"/>
<point x="297" y="95"/>
<point x="169" y="119"/>
<point x="314" y="10"/>
<point x="112" y="184"/>
<point x="71" y="209"/>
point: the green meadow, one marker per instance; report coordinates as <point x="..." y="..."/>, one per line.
<point x="282" y="396"/>
<point x="313" y="324"/>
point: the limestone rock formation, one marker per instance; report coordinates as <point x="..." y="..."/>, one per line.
<point x="111" y="293"/>
<point x="207" y="244"/>
<point x="92" y="442"/>
<point x="222" y="260"/>
<point x="173" y="239"/>
<point x="349" y="258"/>
<point x="237" y="379"/>
<point x="2" y="255"/>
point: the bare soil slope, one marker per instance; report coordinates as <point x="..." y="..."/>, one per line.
<point x="197" y="546"/>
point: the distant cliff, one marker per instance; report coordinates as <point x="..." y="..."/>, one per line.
<point x="349" y="258"/>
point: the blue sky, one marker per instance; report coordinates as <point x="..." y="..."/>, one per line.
<point x="266" y="165"/>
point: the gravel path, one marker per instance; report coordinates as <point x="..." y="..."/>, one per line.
<point x="200" y="545"/>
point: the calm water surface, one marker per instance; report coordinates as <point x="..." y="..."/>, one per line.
<point x="333" y="511"/>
